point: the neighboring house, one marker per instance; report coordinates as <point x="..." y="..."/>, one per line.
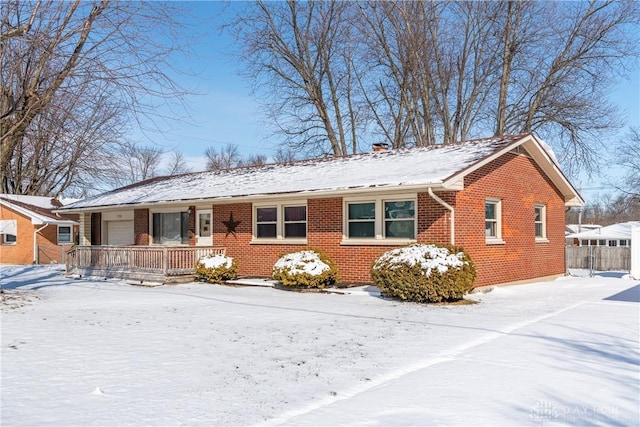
<point x="502" y="199"/>
<point x="611" y="235"/>
<point x="578" y="228"/>
<point x="31" y="233"/>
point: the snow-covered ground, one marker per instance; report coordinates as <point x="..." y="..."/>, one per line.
<point x="104" y="353"/>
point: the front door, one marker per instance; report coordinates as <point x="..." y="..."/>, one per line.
<point x="203" y="227"/>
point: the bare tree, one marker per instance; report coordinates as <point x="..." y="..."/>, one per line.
<point x="74" y="75"/>
<point x="628" y="157"/>
<point x="565" y="56"/>
<point x="433" y="72"/>
<point x="297" y="54"/>
<point x="254" y="160"/>
<point x="225" y="158"/>
<point x="284" y="155"/>
<point x="177" y="164"/>
<point x="133" y="163"/>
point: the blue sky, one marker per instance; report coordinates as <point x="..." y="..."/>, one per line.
<point x="225" y="112"/>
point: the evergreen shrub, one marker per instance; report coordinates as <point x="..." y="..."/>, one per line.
<point x="305" y="269"/>
<point x="217" y="268"/>
<point x="424" y="273"/>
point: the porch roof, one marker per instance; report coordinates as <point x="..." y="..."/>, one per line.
<point x="441" y="166"/>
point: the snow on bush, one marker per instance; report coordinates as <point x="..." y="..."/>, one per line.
<point x="424" y="273"/>
<point x="217" y="268"/>
<point x="307" y="269"/>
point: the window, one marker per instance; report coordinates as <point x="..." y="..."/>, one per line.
<point x="9" y="238"/>
<point x="492" y="218"/>
<point x="379" y="219"/>
<point x="64" y="234"/>
<point x="171" y="228"/>
<point x="399" y="219"/>
<point x="267" y="222"/>
<point x="540" y="222"/>
<point x="295" y="222"/>
<point x="362" y="220"/>
<point x="624" y="243"/>
<point x="280" y="222"/>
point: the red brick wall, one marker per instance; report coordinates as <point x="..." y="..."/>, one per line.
<point x="46" y="240"/>
<point x="22" y="251"/>
<point x="516" y="180"/>
<point x="141" y="227"/>
<point x="520" y="184"/>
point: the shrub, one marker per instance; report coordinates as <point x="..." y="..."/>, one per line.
<point x="305" y="269"/>
<point x="217" y="268"/>
<point x="424" y="273"/>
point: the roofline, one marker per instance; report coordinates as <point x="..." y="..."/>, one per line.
<point x="260" y="197"/>
<point x="36" y="218"/>
<point x="540" y="156"/>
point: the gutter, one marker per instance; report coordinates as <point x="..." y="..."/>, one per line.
<point x="35" y="242"/>
<point x="449" y="208"/>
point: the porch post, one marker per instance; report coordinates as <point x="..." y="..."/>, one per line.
<point x="85" y="229"/>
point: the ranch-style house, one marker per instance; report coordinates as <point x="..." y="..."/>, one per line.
<point x="502" y="199"/>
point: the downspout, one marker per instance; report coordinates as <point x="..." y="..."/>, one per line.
<point x="35" y="242"/>
<point x="450" y="209"/>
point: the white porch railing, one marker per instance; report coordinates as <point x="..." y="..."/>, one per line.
<point x="165" y="260"/>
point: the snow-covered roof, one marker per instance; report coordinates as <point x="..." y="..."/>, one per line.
<point x="577" y="228"/>
<point x="37" y="208"/>
<point x="441" y="166"/>
<point x="618" y="231"/>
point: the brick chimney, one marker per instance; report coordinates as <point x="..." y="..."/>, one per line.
<point x="380" y="146"/>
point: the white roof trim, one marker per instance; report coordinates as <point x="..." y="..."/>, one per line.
<point x="537" y="151"/>
<point x="36" y="218"/>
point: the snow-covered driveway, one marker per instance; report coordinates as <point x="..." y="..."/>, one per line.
<point x="82" y="352"/>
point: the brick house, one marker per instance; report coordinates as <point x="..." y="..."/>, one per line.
<point x="31" y="233"/>
<point x="502" y="199"/>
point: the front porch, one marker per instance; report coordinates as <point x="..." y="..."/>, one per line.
<point x="159" y="264"/>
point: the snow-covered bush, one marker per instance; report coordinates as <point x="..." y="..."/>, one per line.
<point x="217" y="268"/>
<point x="305" y="269"/>
<point x="424" y="273"/>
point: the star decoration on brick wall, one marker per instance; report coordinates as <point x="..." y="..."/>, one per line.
<point x="231" y="225"/>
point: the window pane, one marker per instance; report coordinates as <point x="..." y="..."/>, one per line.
<point x="362" y="211"/>
<point x="538" y="229"/>
<point x="400" y="209"/>
<point x="490" y="229"/>
<point x="404" y="229"/>
<point x="9" y="238"/>
<point x="64" y="234"/>
<point x="361" y="229"/>
<point x="171" y="227"/>
<point x="295" y="213"/>
<point x="490" y="210"/>
<point x="204" y="221"/>
<point x="266" y="230"/>
<point x="267" y="214"/>
<point x="295" y="229"/>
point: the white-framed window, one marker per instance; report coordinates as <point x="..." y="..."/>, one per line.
<point x="540" y="222"/>
<point x="493" y="220"/>
<point x="624" y="243"/>
<point x="170" y="228"/>
<point x="379" y="219"/>
<point x="64" y="234"/>
<point x="9" y="239"/>
<point x="278" y="222"/>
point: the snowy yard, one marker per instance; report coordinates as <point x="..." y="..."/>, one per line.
<point x="104" y="353"/>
